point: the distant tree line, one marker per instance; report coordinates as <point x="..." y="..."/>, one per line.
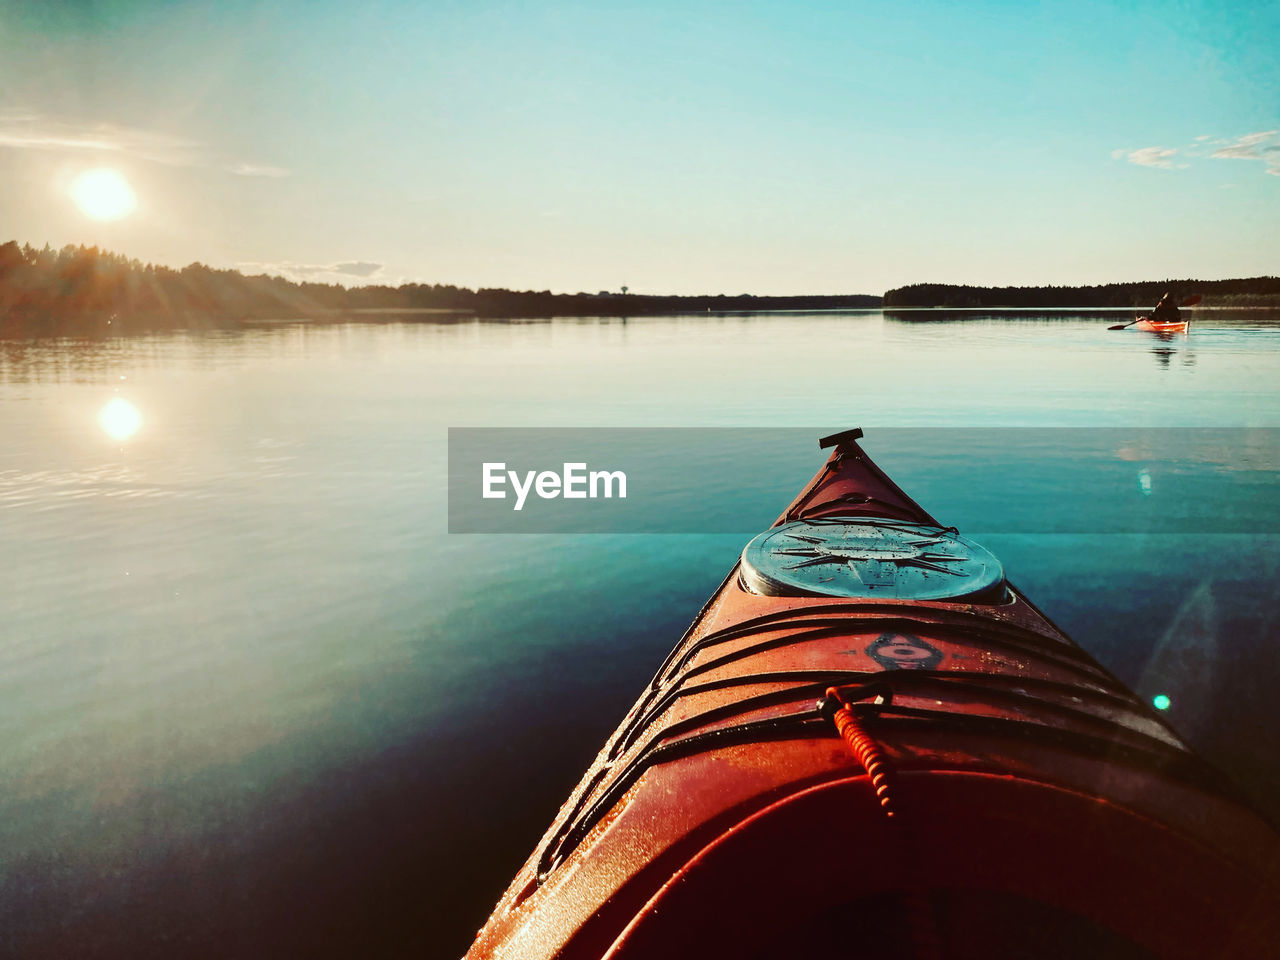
<point x="79" y="288"/>
<point x="1255" y="290"/>
<point x="82" y="289"/>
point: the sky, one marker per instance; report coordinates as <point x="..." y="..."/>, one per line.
<point x="672" y="147"/>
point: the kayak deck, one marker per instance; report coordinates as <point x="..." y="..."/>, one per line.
<point x="1031" y="791"/>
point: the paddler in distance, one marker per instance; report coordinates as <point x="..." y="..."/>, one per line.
<point x="1166" y="310"/>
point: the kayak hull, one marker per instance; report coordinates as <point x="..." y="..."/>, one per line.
<point x="1032" y="795"/>
<point x="1155" y="326"/>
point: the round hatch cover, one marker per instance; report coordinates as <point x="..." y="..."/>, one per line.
<point x="868" y="557"/>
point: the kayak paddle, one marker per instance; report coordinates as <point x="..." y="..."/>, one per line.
<point x="1191" y="301"/>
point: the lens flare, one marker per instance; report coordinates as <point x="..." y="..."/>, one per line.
<point x="1161" y="702"/>
<point x="103" y="194"/>
<point x="120" y="419"/>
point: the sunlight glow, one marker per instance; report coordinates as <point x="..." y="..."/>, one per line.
<point x="103" y="194"/>
<point x="120" y="418"/>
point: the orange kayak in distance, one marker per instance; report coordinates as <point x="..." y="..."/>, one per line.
<point x="1155" y="326"/>
<point x="869" y="742"/>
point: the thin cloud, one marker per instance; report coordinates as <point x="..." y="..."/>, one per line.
<point x="29" y="131"/>
<point x="257" y="170"/>
<point x="1244" y="148"/>
<point x="345" y="270"/>
<point x="33" y="132"/>
<point x="358" y="268"/>
<point x="1252" y="146"/>
<point x="1263" y="145"/>
<point x="1161" y="157"/>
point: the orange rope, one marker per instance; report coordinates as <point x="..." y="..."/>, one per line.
<point x="925" y="939"/>
<point x="865" y="749"/>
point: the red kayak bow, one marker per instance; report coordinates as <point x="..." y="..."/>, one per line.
<point x="870" y="743"/>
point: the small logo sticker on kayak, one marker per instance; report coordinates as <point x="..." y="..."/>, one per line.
<point x="902" y="651"/>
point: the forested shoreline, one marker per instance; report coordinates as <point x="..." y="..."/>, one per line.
<point x="1253" y="291"/>
<point x="81" y="289"/>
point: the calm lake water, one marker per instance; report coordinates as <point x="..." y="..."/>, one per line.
<point x="255" y="700"/>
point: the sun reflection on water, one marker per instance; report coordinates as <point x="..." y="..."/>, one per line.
<point x="120" y="418"/>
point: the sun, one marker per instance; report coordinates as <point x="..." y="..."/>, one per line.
<point x="103" y="194"/>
